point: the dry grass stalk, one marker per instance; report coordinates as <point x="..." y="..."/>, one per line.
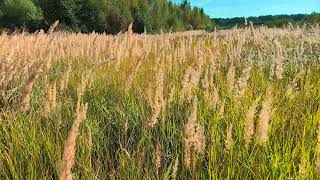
<point x="58" y="120"/>
<point x="195" y="135"/>
<point x="292" y="87"/>
<point x="317" y="150"/>
<point x="51" y="102"/>
<point x="158" y="157"/>
<point x="205" y="81"/>
<point x="149" y="94"/>
<point x="279" y="69"/>
<point x="231" y="77"/>
<point x="249" y="122"/>
<point x="53" y="27"/>
<point x="113" y="174"/>
<point x="215" y="99"/>
<point x="190" y="81"/>
<point x="83" y="85"/>
<point x="302" y="167"/>
<point x="264" y="117"/>
<point x="171" y="95"/>
<point x="242" y="82"/>
<point x="89" y="139"/>
<point x="228" y="141"/>
<point x="26" y="91"/>
<point x="221" y="110"/>
<point x="159" y="101"/>
<point x="65" y="79"/>
<point x="67" y="161"/>
<point x="69" y="151"/>
<point x="175" y="168"/>
<point x="185" y="83"/>
<point x="133" y="73"/>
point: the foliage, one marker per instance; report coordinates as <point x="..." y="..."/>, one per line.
<point x="270" y="21"/>
<point x="20" y="13"/>
<point x="110" y="16"/>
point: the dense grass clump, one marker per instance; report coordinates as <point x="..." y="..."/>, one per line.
<point x="237" y="104"/>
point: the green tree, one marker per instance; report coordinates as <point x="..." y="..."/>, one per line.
<point x="111" y="16"/>
<point x="62" y="10"/>
<point x="118" y="17"/>
<point x="141" y="15"/>
<point x="91" y="15"/>
<point x="20" y="14"/>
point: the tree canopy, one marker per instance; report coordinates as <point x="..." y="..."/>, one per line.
<point x="270" y="21"/>
<point x="110" y="16"/>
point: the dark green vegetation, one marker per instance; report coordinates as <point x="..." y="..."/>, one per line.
<point x="270" y="21"/>
<point x="110" y="16"/>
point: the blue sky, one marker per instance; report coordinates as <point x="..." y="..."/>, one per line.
<point x="240" y="8"/>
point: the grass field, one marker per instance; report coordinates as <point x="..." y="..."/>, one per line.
<point x="234" y="104"/>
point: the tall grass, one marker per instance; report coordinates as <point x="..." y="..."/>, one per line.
<point x="234" y="104"/>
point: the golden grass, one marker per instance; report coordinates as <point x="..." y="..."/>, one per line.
<point x="239" y="104"/>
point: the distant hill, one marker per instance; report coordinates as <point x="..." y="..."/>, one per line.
<point x="270" y="21"/>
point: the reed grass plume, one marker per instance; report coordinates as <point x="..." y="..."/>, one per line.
<point x="231" y="77"/>
<point x="317" y="150"/>
<point x="26" y="90"/>
<point x="69" y="150"/>
<point x="65" y="79"/>
<point x="228" y="139"/>
<point x="303" y="167"/>
<point x="249" y="122"/>
<point x="242" y="82"/>
<point x="265" y="117"/>
<point x="195" y="137"/>
<point x="158" y="157"/>
<point x="175" y="168"/>
<point x="51" y="101"/>
<point x="159" y="102"/>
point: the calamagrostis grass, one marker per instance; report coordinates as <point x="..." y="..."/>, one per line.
<point x="279" y="67"/>
<point x="158" y="157"/>
<point x="133" y="74"/>
<point x="215" y="99"/>
<point x="292" y="87"/>
<point x="175" y="168"/>
<point x="185" y="83"/>
<point x="83" y="85"/>
<point x="67" y="161"/>
<point x="242" y="82"/>
<point x="53" y="27"/>
<point x="302" y="166"/>
<point x="159" y="102"/>
<point x="26" y="91"/>
<point x="171" y="94"/>
<point x="318" y="144"/>
<point x="231" y="77"/>
<point x="51" y="101"/>
<point x="221" y="110"/>
<point x="264" y="118"/>
<point x="65" y="79"/>
<point x="195" y="135"/>
<point x="228" y="141"/>
<point x="249" y="122"/>
<point x="190" y="81"/>
<point x="89" y="139"/>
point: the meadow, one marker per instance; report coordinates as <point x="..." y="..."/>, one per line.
<point x="231" y="104"/>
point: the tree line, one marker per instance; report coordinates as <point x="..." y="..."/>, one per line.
<point x="270" y="21"/>
<point x="110" y="16"/>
